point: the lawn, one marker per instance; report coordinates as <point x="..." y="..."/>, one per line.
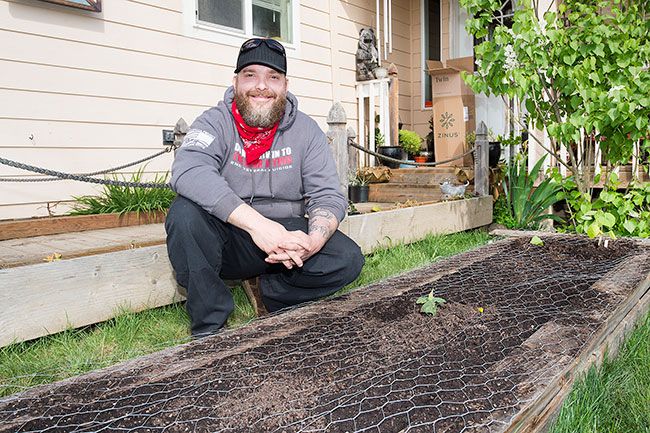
<point x="614" y="398"/>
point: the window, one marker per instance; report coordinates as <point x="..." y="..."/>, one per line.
<point x="430" y="43"/>
<point x="264" y="18"/>
<point x="462" y="43"/>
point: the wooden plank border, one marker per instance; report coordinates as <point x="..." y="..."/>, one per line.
<point x="541" y="412"/>
<point x="24" y="228"/>
<point x="46" y="298"/>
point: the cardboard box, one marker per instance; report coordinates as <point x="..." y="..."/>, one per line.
<point x="454" y="111"/>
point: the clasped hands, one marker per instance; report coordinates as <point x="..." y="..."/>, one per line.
<point x="291" y="248"/>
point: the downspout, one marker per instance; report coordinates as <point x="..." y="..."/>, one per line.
<point x="336" y="96"/>
<point x="387" y="45"/>
<point x="386" y="29"/>
<point x="379" y="46"/>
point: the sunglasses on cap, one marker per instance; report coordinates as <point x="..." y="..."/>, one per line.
<point x="256" y="42"/>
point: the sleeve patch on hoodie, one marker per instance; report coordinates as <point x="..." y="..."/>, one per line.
<point x="196" y="137"/>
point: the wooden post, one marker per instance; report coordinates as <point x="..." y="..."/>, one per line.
<point x="180" y="130"/>
<point x="481" y="161"/>
<point x="338" y="139"/>
<point x="393" y="104"/>
<point x="353" y="154"/>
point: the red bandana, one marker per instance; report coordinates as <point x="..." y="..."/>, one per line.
<point x="256" y="140"/>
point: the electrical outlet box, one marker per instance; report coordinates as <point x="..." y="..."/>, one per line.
<point x="168" y="137"/>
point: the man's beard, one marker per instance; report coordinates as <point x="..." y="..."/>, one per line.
<point x="263" y="117"/>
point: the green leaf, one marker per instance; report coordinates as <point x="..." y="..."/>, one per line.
<point x="623" y="62"/>
<point x="430" y="303"/>
<point x="537" y="241"/>
<point x="607" y="219"/>
<point x="429" y="308"/>
<point x="593" y="230"/>
<point x="569" y="59"/>
<point x="599" y="50"/>
<point x="630" y="226"/>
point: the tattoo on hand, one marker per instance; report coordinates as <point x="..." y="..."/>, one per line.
<point x="322" y="221"/>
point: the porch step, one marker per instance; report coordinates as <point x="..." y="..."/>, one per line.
<point x="420" y="184"/>
<point x="427" y="176"/>
<point x="400" y="192"/>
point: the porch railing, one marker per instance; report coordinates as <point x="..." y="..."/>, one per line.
<point x="371" y="94"/>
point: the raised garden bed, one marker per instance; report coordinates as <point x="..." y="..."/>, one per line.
<point x="519" y="322"/>
<point x="29" y="227"/>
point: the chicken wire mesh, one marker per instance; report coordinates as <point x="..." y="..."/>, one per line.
<point x="516" y="316"/>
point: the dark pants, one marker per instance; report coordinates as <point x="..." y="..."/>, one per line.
<point x="204" y="251"/>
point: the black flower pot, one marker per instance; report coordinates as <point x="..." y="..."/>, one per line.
<point x="358" y="193"/>
<point x="494" y="153"/>
<point x="394" y="152"/>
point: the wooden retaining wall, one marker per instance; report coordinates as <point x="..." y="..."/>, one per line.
<point x="45" y="298"/>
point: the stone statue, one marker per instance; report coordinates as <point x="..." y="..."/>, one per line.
<point x="367" y="54"/>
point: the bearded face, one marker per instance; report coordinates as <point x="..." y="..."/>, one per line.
<point x="261" y="115"/>
<point x="261" y="95"/>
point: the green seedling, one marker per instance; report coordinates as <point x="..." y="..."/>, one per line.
<point x="430" y="303"/>
<point x="537" y="241"/>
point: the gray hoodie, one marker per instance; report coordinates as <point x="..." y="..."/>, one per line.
<point x="295" y="176"/>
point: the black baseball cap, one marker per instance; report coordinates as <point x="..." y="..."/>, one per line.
<point x="262" y="51"/>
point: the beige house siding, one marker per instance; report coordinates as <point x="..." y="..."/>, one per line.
<point x="84" y="91"/>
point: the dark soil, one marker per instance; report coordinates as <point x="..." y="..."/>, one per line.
<point x="368" y="361"/>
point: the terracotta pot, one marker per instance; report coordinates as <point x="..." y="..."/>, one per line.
<point x="420" y="159"/>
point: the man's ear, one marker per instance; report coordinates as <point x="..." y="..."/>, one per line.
<point x="234" y="81"/>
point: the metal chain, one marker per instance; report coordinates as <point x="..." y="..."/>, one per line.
<point x="425" y="164"/>
<point x="86" y="177"/>
<point x="82" y="178"/>
<point x="108" y="170"/>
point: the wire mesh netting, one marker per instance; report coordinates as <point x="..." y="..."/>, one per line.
<point x="516" y="317"/>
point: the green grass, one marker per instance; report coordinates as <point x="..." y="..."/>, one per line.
<point x="121" y="199"/>
<point x="76" y="351"/>
<point x="130" y="335"/>
<point x="614" y="398"/>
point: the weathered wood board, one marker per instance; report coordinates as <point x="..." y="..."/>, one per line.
<point x="22" y="228"/>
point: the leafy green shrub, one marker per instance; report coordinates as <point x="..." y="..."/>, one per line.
<point x="501" y="213"/>
<point x="410" y="141"/>
<point x="526" y="203"/>
<point x="122" y="199"/>
<point x="613" y="213"/>
<point x="580" y="68"/>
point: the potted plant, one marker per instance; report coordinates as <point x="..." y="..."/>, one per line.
<point x="358" y="187"/>
<point x="430" y="140"/>
<point x="495" y="149"/>
<point x="393" y="151"/>
<point x="410" y="141"/>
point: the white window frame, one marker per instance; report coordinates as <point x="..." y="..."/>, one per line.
<point x="459" y="38"/>
<point x="234" y="37"/>
<point x="423" y="59"/>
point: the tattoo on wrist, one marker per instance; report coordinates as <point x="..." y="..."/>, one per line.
<point x="322" y="221"/>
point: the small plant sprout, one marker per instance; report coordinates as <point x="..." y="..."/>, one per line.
<point x="430" y="303"/>
<point x="537" y="241"/>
